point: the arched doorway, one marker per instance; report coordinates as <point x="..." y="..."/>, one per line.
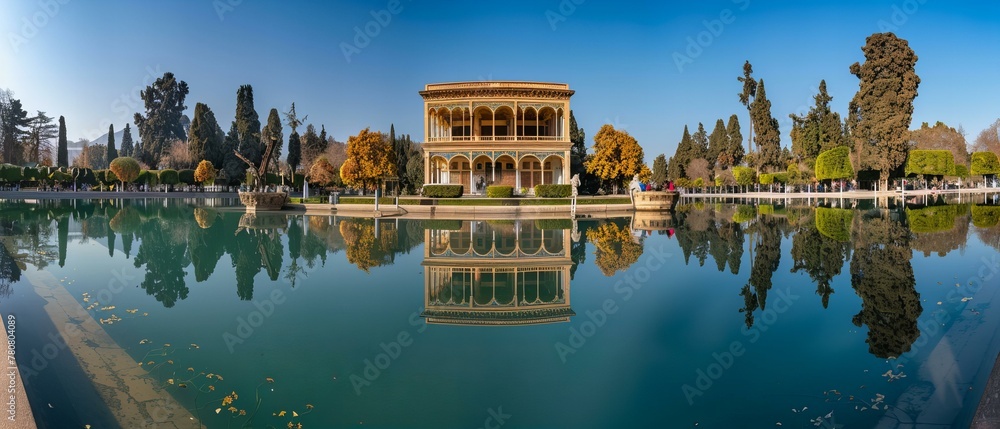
<point x="504" y="171"/>
<point x="459" y="172"/>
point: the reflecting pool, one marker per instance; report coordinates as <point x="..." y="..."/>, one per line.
<point x="801" y="313"/>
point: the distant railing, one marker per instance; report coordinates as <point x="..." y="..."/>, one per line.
<point x="495" y="138"/>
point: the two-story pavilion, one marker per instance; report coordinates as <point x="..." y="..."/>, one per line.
<point x="496" y="133"/>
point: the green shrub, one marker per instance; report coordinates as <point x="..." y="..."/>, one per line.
<point x="10" y="173"/>
<point x="985" y="216"/>
<point x="834" y="164"/>
<point x="553" y="224"/>
<point x="84" y="176"/>
<point x="930" y="162"/>
<point x="553" y="191"/>
<point x="443" y="191"/>
<point x="168" y="177"/>
<point x="30" y="173"/>
<point x="125" y="169"/>
<point x="933" y="218"/>
<point x="961" y="171"/>
<point x="499" y="191"/>
<point x="744" y="175"/>
<point x="297" y="180"/>
<point x="186" y="176"/>
<point x="985" y="163"/>
<point x="834" y="223"/>
<point x="780" y="177"/>
<point x="744" y="213"/>
<point x="766" y="179"/>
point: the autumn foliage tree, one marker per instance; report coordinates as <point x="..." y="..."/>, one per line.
<point x="370" y="157"/>
<point x="617" y="156"/>
<point x="205" y="173"/>
<point x="322" y="172"/>
<point x="126" y="169"/>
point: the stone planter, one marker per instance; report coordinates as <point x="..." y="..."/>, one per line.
<point x="659" y="201"/>
<point x="263" y="201"/>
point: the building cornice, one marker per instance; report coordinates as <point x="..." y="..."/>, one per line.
<point x="497" y="89"/>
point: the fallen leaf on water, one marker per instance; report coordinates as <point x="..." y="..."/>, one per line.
<point x="309" y="406"/>
<point x="282" y="413"/>
<point x="218" y="410"/>
<point x="170" y="381"/>
<point x="269" y="380"/>
<point x="191" y="369"/>
<point x="294" y="414"/>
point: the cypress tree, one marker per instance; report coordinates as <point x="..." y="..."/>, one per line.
<point x="659" y="169"/>
<point x="62" y="155"/>
<point x="683" y="155"/>
<point x="294" y="158"/>
<point x="128" y="148"/>
<point x="205" y="138"/>
<point x="248" y="125"/>
<point x="272" y="133"/>
<point x="747" y="96"/>
<point x="164" y="103"/>
<point x="112" y="152"/>
<point x="881" y="111"/>
<point x="768" y="139"/>
<point x="700" y="143"/>
<point x="734" y="152"/>
<point x="234" y="168"/>
<point x="718" y="141"/>
<point x="819" y="130"/>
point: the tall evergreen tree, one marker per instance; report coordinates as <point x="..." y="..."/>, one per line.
<point x="659" y="169"/>
<point x="112" y="152"/>
<point x="881" y="111"/>
<point x="700" y="142"/>
<point x="734" y="153"/>
<point x="818" y="130"/>
<point x="164" y="103"/>
<point x="768" y="138"/>
<point x="401" y="147"/>
<point x="205" y="138"/>
<point x="747" y="97"/>
<point x="686" y="151"/>
<point x="128" y="149"/>
<point x="62" y="158"/>
<point x="578" y="152"/>
<point x="294" y="158"/>
<point x="272" y="133"/>
<point x="13" y="121"/>
<point x="234" y="167"/>
<point x="248" y="125"/>
<point x="718" y="141"/>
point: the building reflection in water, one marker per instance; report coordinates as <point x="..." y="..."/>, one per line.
<point x="497" y="273"/>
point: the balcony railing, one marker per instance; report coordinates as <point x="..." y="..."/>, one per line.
<point x="494" y="138"/>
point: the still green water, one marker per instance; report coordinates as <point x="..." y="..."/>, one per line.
<point x="730" y="315"/>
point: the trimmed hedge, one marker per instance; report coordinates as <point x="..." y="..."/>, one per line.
<point x="10" y="173"/>
<point x="553" y="191"/>
<point x="985" y="163"/>
<point x="930" y="162"/>
<point x="985" y="216"/>
<point x="168" y="177"/>
<point x="933" y="218"/>
<point x="499" y="191"/>
<point x="186" y="176"/>
<point x="834" y="223"/>
<point x="961" y="171"/>
<point x="834" y="164"/>
<point x="443" y="191"/>
<point x="553" y="224"/>
<point x="766" y="179"/>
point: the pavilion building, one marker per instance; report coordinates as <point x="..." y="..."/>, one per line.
<point x="496" y="133"/>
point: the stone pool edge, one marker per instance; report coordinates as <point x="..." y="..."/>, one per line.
<point x="129" y="391"/>
<point x="23" y="417"/>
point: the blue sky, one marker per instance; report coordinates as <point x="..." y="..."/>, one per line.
<point x="88" y="59"/>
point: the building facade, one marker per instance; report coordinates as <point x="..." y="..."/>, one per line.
<point x="496" y="133"/>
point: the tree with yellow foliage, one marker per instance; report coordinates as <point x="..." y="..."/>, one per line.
<point x="617" y="156"/>
<point x="370" y="157"/>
